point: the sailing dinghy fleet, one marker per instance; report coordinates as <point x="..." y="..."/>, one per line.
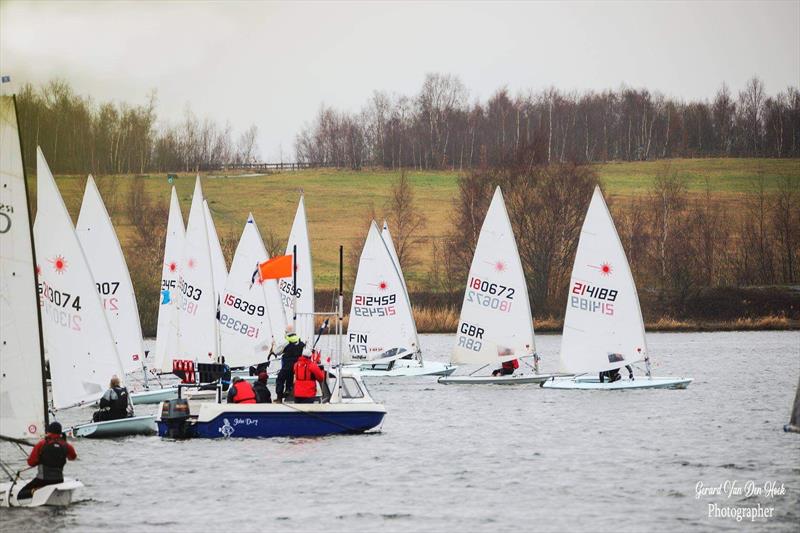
<point x="211" y="320"/>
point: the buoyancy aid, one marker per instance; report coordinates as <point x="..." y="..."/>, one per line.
<point x="306" y="375"/>
<point x="244" y="393"/>
<point x="52" y="458"/>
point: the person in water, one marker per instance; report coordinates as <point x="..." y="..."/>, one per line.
<point x="241" y="392"/>
<point x="50" y="455"/>
<point x="507" y="368"/>
<point x="114" y="404"/>
<point x="291" y="353"/>
<point x="261" y="390"/>
<point x="306" y="375"/>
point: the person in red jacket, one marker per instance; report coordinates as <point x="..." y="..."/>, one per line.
<point x="241" y="392"/>
<point x="306" y="375"/>
<point x="50" y="454"/>
<point x="507" y="368"/>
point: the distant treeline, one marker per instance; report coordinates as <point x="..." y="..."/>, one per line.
<point x="682" y="247"/>
<point x="440" y="128"/>
<point x="79" y="135"/>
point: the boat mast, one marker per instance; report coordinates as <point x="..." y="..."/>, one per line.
<point x="339" y="319"/>
<point x="35" y="273"/>
<point x="294" y="289"/>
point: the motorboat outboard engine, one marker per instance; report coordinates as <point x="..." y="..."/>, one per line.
<point x="175" y="415"/>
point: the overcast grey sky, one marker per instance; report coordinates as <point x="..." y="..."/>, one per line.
<point x="273" y="63"/>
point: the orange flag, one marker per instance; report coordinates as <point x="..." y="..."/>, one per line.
<point x="277" y="267"/>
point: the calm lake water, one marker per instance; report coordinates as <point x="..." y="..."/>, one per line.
<point x="479" y="458"/>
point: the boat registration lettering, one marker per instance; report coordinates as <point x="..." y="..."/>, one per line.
<point x="492" y="289"/>
<point x="491" y="302"/>
<point x="61" y="317"/>
<point x="600" y="293"/>
<point x="190" y="291"/>
<point x="471" y="337"/>
<point x="243" y="305"/>
<point x="357" y="342"/>
<point x="374" y="306"/>
<point x="584" y="304"/>
<point x="238" y="326"/>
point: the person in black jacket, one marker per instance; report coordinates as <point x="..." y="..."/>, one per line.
<point x="49" y="455"/>
<point x="613" y="375"/>
<point x="291" y="353"/>
<point x="114" y="404"/>
<point x="260" y="388"/>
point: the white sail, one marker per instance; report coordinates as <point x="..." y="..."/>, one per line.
<point x="219" y="268"/>
<point x="167" y="332"/>
<point x="251" y="318"/>
<point x="387" y="238"/>
<point x="305" y="278"/>
<point x="22" y="402"/>
<point x="380" y="314"/>
<point x="112" y="278"/>
<point x="603" y="327"/>
<point x="496" y="323"/>
<point x="197" y="302"/>
<point x="77" y="337"/>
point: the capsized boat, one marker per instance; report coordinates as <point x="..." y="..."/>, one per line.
<point x="24" y="415"/>
<point x="603" y="326"/>
<point x="496" y="325"/>
<point x="77" y="337"/>
<point x="382" y="335"/>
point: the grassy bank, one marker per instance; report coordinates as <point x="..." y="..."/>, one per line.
<point x="338" y="201"/>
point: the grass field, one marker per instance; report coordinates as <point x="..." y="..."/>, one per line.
<point x="337" y="201"/>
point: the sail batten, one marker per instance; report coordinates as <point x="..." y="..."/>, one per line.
<point x="495" y="323"/>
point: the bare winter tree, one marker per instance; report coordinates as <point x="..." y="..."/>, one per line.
<point x="668" y="198"/>
<point x="406" y="222"/>
<point x="247" y="147"/>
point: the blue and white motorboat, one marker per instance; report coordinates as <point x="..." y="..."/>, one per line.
<point x="350" y="409"/>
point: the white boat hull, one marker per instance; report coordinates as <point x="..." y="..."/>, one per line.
<point x="123" y="427"/>
<point x="58" y="495"/>
<point x="514" y="379"/>
<point x="412" y="369"/>
<point x="154" y="395"/>
<point x="593" y="383"/>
